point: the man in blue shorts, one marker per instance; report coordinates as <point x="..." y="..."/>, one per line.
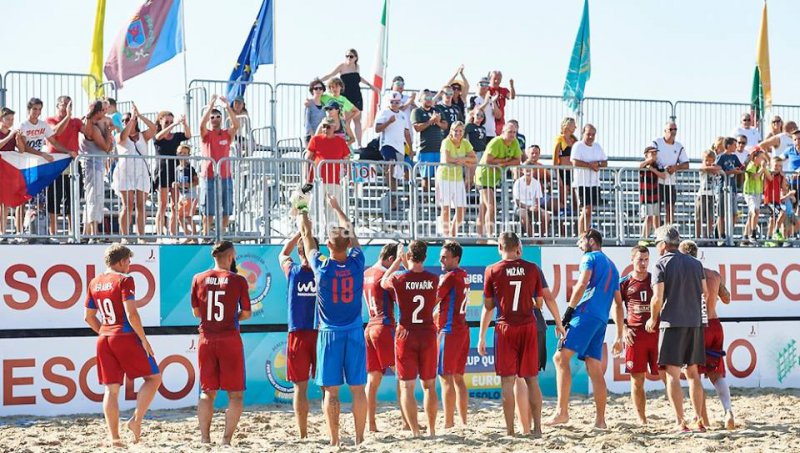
<point x="586" y="318"/>
<point x="341" y="348"/>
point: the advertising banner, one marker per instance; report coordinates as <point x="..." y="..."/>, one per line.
<point x="44" y="286"/>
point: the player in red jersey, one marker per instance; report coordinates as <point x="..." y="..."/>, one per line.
<point x="379" y="334"/>
<point x="641" y="346"/>
<point x="514" y="286"/>
<point x="122" y="347"/>
<point x="415" y="345"/>
<point x="221" y="300"/>
<point x="451" y="321"/>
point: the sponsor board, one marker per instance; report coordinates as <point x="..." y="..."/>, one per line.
<point x="44" y="286"/>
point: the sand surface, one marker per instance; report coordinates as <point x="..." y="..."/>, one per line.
<point x="767" y="420"/>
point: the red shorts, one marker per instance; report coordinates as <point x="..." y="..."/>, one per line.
<point x="714" y="338"/>
<point x="221" y="361"/>
<point x="416" y="354"/>
<point x="453" y="351"/>
<point x="301" y="355"/>
<point x="643" y="352"/>
<point x="122" y="355"/>
<point x="380" y="347"/>
<point x="515" y="350"/>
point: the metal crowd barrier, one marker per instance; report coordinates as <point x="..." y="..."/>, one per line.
<point x="21" y="86"/>
<point x="258" y="97"/>
<point x="626" y="125"/>
<point x="262" y="139"/>
<point x="700" y="123"/>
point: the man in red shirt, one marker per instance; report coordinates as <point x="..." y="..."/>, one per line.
<point x="122" y="347"/>
<point x="216" y="144"/>
<point x="221" y="300"/>
<point x="65" y="130"/>
<point x="328" y="146"/>
<point x="415" y="291"/>
<point x="503" y="94"/>
<point x="513" y="285"/>
<point x="453" y="296"/>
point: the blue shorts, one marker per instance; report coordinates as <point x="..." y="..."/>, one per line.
<point x="208" y="204"/>
<point x="431" y="157"/>
<point x="341" y="357"/>
<point x="585" y="336"/>
<point x="390" y="154"/>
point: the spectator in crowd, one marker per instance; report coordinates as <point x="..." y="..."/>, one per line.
<point x="66" y="131"/>
<point x="216" y="145"/>
<point x="704" y="202"/>
<point x="166" y="143"/>
<point x="476" y="134"/>
<point x="314" y="108"/>
<point x="430" y="125"/>
<point x="348" y="71"/>
<point x="520" y="138"/>
<point x="726" y="193"/>
<point x="672" y="157"/>
<point x="185" y="185"/>
<point x="776" y="127"/>
<point x="718" y="146"/>
<point x="460" y="90"/>
<point x="775" y="186"/>
<point x="242" y="137"/>
<point x="239" y="107"/>
<point x="488" y="104"/>
<point x="446" y="108"/>
<point x="749" y="130"/>
<point x="562" y="152"/>
<point x="777" y="144"/>
<point x="348" y="110"/>
<point x="8" y="138"/>
<point x="457" y="154"/>
<point x="328" y="146"/>
<point x="114" y="115"/>
<point x="649" y="174"/>
<point x="398" y="85"/>
<point x="587" y="158"/>
<point x="502" y="95"/>
<point x="754" y="193"/>
<point x="501" y="152"/>
<point x="528" y="198"/>
<point x="97" y="143"/>
<point x="531" y="158"/>
<point x="332" y="111"/>
<point x="742" y="150"/>
<point x="791" y="162"/>
<point x="132" y="178"/>
<point x="392" y="125"/>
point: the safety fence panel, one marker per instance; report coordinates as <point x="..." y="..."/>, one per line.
<point x="626" y="126"/>
<point x="258" y="99"/>
<point x="22" y="86"/>
<point x="700" y="123"/>
<point x="786" y="112"/>
<point x="377" y="195"/>
<point x="262" y="139"/>
<point x="290" y="148"/>
<point x="109" y="89"/>
<point x="539" y="118"/>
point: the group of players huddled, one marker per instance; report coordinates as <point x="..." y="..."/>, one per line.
<point x="328" y="342"/>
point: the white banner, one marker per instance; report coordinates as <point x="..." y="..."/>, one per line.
<point x="56" y="376"/>
<point x="762" y="282"/>
<point x="45" y="286"/>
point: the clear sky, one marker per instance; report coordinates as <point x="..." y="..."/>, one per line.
<point x="677" y="49"/>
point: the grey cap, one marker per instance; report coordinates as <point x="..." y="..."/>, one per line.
<point x="668" y="234"/>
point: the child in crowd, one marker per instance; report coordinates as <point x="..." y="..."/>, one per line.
<point x="774" y="186"/>
<point x="528" y="196"/>
<point x="704" y="202"/>
<point x="753" y="191"/>
<point x="726" y="192"/>
<point x="186" y="182"/>
<point x="648" y="190"/>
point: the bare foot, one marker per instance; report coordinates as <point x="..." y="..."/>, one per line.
<point x="448" y="426"/>
<point x="730" y="424"/>
<point x="558" y="419"/>
<point x="136" y="428"/>
<point x="205" y="440"/>
<point x="373" y="429"/>
<point x="642" y="421"/>
<point x="537" y="434"/>
<point x="117" y="443"/>
<point x="226" y="441"/>
<point x="600" y="424"/>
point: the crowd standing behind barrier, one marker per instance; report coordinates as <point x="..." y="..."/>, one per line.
<point x="267" y="168"/>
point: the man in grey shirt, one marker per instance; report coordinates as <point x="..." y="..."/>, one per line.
<point x="678" y="304"/>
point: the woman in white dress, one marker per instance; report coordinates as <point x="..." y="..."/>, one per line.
<point x="132" y="176"/>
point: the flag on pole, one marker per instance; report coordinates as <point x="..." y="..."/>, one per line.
<point x="379" y="71"/>
<point x="761" y="96"/>
<point x="580" y="64"/>
<point x="153" y="36"/>
<point x="96" y="65"/>
<point x="259" y="48"/>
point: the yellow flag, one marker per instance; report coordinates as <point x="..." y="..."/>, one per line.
<point x="96" y="65"/>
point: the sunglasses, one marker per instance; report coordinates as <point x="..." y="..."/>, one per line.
<point x="318" y="88"/>
<point x="349" y="56"/>
<point x="395" y="102"/>
<point x="448" y="93"/>
<point x="480" y="115"/>
<point x="455" y="87"/>
<point x="484" y="84"/>
<point x="673" y="129"/>
<point x="742" y="143"/>
<point x="215" y="117"/>
<point x="325" y="126"/>
<point x="776" y="121"/>
<point x="746" y="120"/>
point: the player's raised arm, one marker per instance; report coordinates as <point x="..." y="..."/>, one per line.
<point x="344" y="222"/>
<point x="386" y="281"/>
<point x="309" y="247"/>
<point x="287" y="249"/>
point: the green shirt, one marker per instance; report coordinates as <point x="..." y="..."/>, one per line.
<point x="489" y="176"/>
<point x="753" y="182"/>
<point x="453" y="172"/>
<point x="343" y="101"/>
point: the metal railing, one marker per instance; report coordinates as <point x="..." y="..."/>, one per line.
<point x="626" y="125"/>
<point x="21" y="86"/>
<point x="259" y="100"/>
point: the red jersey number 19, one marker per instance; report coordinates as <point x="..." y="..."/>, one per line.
<point x="106" y="309"/>
<point x="215" y="309"/>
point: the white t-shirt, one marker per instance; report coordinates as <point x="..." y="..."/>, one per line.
<point x="586" y="177"/>
<point x="742" y="155"/>
<point x="527" y="194"/>
<point x="384" y="105"/>
<point x="784" y="144"/>
<point x="491" y="132"/>
<point x="669" y="155"/>
<point x="394" y="134"/>
<point x="753" y="136"/>
<point x="36" y="135"/>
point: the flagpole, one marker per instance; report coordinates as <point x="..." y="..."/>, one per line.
<point x="386" y="46"/>
<point x="273" y="106"/>
<point x="187" y="99"/>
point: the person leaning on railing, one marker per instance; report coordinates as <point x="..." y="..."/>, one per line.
<point x="587" y="158"/>
<point x="457" y="154"/>
<point x="673" y="158"/>
<point x="503" y="151"/>
<point x="710" y="179"/>
<point x="562" y="152"/>
<point x="322" y="147"/>
<point x="731" y="167"/>
<point x="8" y="143"/>
<point x="649" y="175"/>
<point x="97" y="143"/>
<point x="314" y="112"/>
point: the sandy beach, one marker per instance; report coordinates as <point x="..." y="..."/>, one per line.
<point x="767" y="420"/>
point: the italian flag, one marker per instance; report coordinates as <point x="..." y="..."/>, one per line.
<point x="761" y="97"/>
<point x="379" y="71"/>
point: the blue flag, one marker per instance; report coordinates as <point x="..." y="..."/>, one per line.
<point x="258" y="49"/>
<point x="580" y="64"/>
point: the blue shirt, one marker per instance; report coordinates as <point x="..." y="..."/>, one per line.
<point x="792" y="160"/>
<point x="604" y="282"/>
<point x="302" y="297"/>
<point x="339" y="290"/>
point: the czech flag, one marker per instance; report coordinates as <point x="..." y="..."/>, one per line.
<point x="25" y="175"/>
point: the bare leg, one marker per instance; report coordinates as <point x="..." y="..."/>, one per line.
<point x="162" y="210"/>
<point x="446" y="220"/>
<point x="373" y="382"/>
<point x="535" y="404"/>
<point x="140" y="212"/>
<point x="301" y="407"/>
<point x="595" y="369"/>
<point x="522" y="403"/>
<point x="126" y="199"/>
<point x="359" y="411"/>
<point x="430" y="403"/>
<point x="409" y="405"/>
<point x="232" y="415"/>
<point x="173" y="220"/>
<point x="675" y="393"/>
<point x="638" y="396"/>
<point x="507" y="383"/>
<point x="696" y="393"/>
<point x="332" y="408"/>
<point x="205" y="412"/>
<point x="461" y="397"/>
<point x="448" y="400"/>
<point x="111" y="412"/>
<point x="564" y="385"/>
<point x="406" y="426"/>
<point x="456" y="224"/>
<point x="143" y="400"/>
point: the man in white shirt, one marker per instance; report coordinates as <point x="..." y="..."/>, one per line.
<point x="527" y="193"/>
<point x="672" y="157"/>
<point x="748" y="130"/>
<point x="587" y="158"/>
<point x="392" y="125"/>
<point x="492" y="109"/>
